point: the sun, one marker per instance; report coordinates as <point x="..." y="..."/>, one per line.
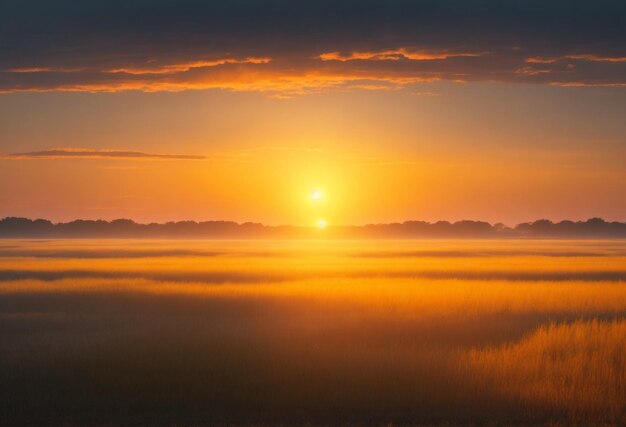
<point x="321" y="224"/>
<point x="317" y="195"/>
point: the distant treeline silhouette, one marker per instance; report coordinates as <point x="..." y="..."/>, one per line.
<point x="13" y="227"/>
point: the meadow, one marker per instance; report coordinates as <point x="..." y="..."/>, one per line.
<point x="151" y="332"/>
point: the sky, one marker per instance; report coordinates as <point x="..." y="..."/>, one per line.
<point x="504" y="111"/>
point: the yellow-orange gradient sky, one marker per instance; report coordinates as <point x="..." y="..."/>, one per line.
<point x="418" y="111"/>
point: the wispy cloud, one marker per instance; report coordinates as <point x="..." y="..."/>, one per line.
<point x="278" y="81"/>
<point x="587" y="84"/>
<point x="28" y="70"/>
<point x="184" y="67"/>
<point x="577" y="57"/>
<point x="78" y="153"/>
<point x="395" y="55"/>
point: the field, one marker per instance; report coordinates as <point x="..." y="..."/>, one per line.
<point x="318" y="333"/>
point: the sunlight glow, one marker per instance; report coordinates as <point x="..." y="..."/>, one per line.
<point x="317" y="196"/>
<point x="321" y="224"/>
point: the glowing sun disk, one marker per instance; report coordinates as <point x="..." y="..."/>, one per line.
<point x="317" y="195"/>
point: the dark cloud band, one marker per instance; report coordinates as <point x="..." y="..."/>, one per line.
<point x="285" y="47"/>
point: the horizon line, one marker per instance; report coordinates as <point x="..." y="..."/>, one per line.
<point x="330" y="225"/>
<point x="593" y="228"/>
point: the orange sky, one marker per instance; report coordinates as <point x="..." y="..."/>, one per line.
<point x="238" y="110"/>
<point x="437" y="151"/>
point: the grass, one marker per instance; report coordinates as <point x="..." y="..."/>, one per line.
<point x="575" y="370"/>
<point x="359" y="333"/>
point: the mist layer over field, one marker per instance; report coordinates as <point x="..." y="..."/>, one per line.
<point x="406" y="332"/>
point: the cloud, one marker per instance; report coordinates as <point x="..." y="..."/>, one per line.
<point x="184" y="67"/>
<point x="78" y="153"/>
<point x="284" y="80"/>
<point x="395" y="55"/>
<point x="284" y="48"/>
<point x="580" y="57"/>
<point x="587" y="84"/>
<point x="43" y="70"/>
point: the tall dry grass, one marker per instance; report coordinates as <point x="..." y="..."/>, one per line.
<point x="574" y="370"/>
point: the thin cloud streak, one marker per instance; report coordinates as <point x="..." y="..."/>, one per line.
<point x="579" y="57"/>
<point x="74" y="153"/>
<point x="184" y="67"/>
<point x="395" y="55"/>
